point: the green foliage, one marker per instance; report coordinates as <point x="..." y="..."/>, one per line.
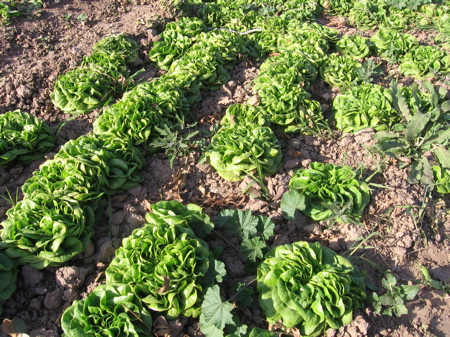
<point x="364" y="106"/>
<point x="100" y="78"/>
<point x="253" y="231"/>
<point x="120" y="44"/>
<point x="443" y="286"/>
<point x="411" y="4"/>
<point x="441" y="179"/>
<point x="392" y="45"/>
<point x="83" y="89"/>
<point x="168" y="267"/>
<point x="425" y="61"/>
<point x="309" y="287"/>
<point x="366" y="14"/>
<point x="66" y="178"/>
<point x="149" y="105"/>
<point x="238" y="151"/>
<point x="23" y="138"/>
<point x="424" y="127"/>
<point x="245" y="113"/>
<point x="174" y="212"/>
<point x="284" y="69"/>
<point x="112" y="161"/>
<point x="8" y="277"/>
<point x="46" y="231"/>
<point x="341" y="71"/>
<point x="175" y="145"/>
<point x="216" y="314"/>
<point x="338" y="7"/>
<point x="355" y="46"/>
<point x="172" y="45"/>
<point x="7" y="11"/>
<point x="394" y="299"/>
<point x="11" y="8"/>
<point x="328" y="192"/>
<point x="109" y="310"/>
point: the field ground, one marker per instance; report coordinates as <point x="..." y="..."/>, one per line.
<point x="411" y="226"/>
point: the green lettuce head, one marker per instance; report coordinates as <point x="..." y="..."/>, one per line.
<point x="168" y="267"/>
<point x="23" y="137"/>
<point x="331" y="191"/>
<point x="310" y="287"/>
<point x="46" y="231"/>
<point x="240" y="150"/>
<point x="109" y="311"/>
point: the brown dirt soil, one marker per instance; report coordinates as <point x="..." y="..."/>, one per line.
<point x="37" y="48"/>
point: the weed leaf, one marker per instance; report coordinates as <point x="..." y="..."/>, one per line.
<point x="239" y="222"/>
<point x="416" y="126"/>
<point x="265" y="226"/>
<point x="439" y="137"/>
<point x="215" y="312"/>
<point x="290" y="203"/>
<point x="252" y="249"/>
<point x="443" y="155"/>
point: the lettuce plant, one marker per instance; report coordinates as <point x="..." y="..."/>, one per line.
<point x="310" y="287"/>
<point x="240" y="150"/>
<point x="365" y="106"/>
<point x="245" y="113"/>
<point x="168" y="267"/>
<point x="330" y="192"/>
<point x="227" y="47"/>
<point x="393" y="45"/>
<point x="425" y="61"/>
<point x="209" y="72"/>
<point x="174" y="212"/>
<point x="286" y="68"/>
<point x="67" y="178"/>
<point x="83" y="89"/>
<point x="141" y="110"/>
<point x="341" y="71"/>
<point x="23" y="137"/>
<point x="8" y="277"/>
<point x="113" y="161"/>
<point x="442" y="179"/>
<point x="110" y="310"/>
<point x="171" y="47"/>
<point x="120" y="44"/>
<point x="46" y="231"/>
<point x="366" y="14"/>
<point x="356" y="46"/>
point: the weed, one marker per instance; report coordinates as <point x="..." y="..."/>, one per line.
<point x="443" y="286"/>
<point x="393" y="301"/>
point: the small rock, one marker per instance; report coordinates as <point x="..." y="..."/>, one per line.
<point x="135" y="220"/>
<point x="43" y="332"/>
<point x="290" y="164"/>
<point x="54" y="299"/>
<point x="31" y="276"/>
<point x="106" y="250"/>
<point x="117" y="218"/>
<point x="24" y="92"/>
<point x="295" y="143"/>
<point x="305" y="162"/>
<point x="70" y="277"/>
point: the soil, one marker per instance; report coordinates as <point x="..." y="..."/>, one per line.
<point x="404" y="228"/>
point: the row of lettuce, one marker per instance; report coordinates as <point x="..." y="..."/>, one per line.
<point x="62" y="201"/>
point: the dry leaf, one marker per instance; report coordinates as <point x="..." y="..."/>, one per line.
<point x="166" y="285"/>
